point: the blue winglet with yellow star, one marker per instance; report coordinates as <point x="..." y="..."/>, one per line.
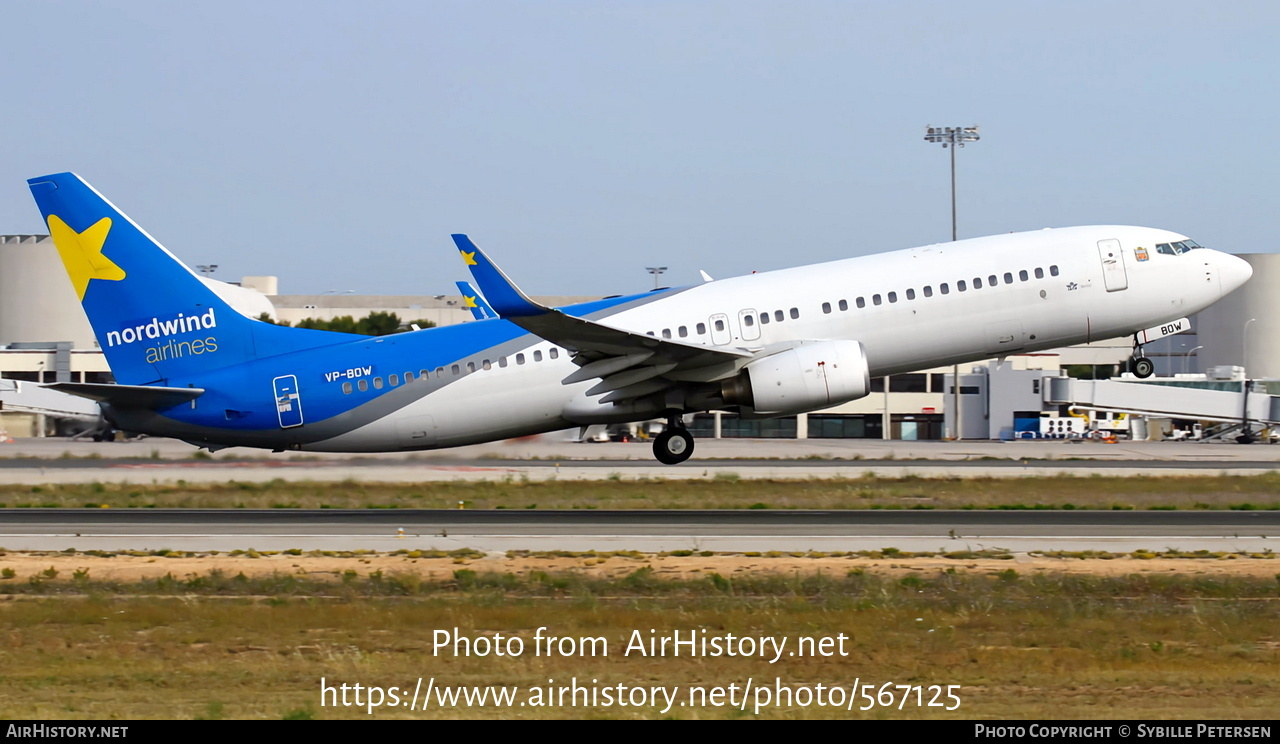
<point x="475" y="302"/>
<point x="504" y="297"/>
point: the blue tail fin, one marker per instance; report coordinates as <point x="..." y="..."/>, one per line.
<point x="154" y="319"/>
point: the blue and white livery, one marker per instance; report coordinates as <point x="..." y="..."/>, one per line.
<point x="769" y="344"/>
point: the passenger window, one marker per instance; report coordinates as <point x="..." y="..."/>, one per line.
<point x="423" y="374"/>
<point x="666" y="332"/>
<point x="928" y="291"/>
<point x="844" y="305"/>
<point x="684" y="331"/>
<point x="943" y="288"/>
<point x="875" y="299"/>
<point x="1023" y="275"/>
<point x="862" y="302"/>
<point x="702" y="329"/>
<point x="777" y="315"/>
<point x="502" y="362"/>
<point x="650" y="333"/>
<point x="519" y="358"/>
<point x="749" y="321"/>
<point x="992" y="280"/>
<point x="795" y="313"/>
<point x="826" y="308"/>
<point x="456" y="369"/>
<point x="346" y="388"/>
<point x="764" y="318"/>
<point x="408" y="377"/>
<point x="960" y="286"/>
<point x="1008" y="278"/>
<point x="1039" y="273"/>
<point x="377" y="382"/>
<point x="439" y="372"/>
<point x="1053" y="270"/>
<point x="911" y="294"/>
<point x="486" y="365"/>
<point x="471" y="366"/>
<point x="719" y="324"/>
<point x="893" y="297"/>
<point x="363" y="385"/>
<point x="977" y="282"/>
<point x="537" y="355"/>
<point x="394" y="380"/>
<point x="555" y="353"/>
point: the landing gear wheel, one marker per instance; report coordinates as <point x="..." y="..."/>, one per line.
<point x="1143" y="368"/>
<point x="673" y="446"/>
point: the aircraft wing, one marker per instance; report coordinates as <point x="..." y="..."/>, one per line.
<point x="475" y="302"/>
<point x="630" y="364"/>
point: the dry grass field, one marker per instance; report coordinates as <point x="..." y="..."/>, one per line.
<point x="723" y="492"/>
<point x="138" y="637"/>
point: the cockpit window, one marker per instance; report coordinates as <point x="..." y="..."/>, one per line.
<point x="1178" y="248"/>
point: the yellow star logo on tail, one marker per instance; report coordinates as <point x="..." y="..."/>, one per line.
<point x="468" y="258"/>
<point x="468" y="301"/>
<point x="82" y="252"/>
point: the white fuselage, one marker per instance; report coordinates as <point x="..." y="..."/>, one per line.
<point x="911" y="309"/>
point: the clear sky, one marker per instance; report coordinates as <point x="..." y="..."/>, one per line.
<point x="338" y="144"/>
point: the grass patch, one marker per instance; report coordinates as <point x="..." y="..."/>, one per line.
<point x="1038" y="646"/>
<point x="724" y="491"/>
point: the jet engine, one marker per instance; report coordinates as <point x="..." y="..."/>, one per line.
<point x="808" y="377"/>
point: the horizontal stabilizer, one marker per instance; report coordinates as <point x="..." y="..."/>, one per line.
<point x="130" y="396"/>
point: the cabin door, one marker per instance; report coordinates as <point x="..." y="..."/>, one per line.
<point x="288" y="404"/>
<point x="1113" y="273"/>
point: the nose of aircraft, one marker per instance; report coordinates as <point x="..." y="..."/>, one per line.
<point x="1233" y="272"/>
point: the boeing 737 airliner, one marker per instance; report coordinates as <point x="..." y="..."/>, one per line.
<point x="769" y="344"/>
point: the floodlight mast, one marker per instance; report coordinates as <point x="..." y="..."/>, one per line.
<point x="657" y="271"/>
<point x="953" y="137"/>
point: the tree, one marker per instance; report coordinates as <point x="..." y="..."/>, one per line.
<point x="379" y="323"/>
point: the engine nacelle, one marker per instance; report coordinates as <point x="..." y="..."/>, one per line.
<point x="808" y="377"/>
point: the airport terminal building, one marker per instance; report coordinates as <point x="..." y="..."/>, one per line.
<point x="45" y="337"/>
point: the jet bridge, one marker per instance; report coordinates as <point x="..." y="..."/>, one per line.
<point x="1243" y="403"/>
<point x="32" y="399"/>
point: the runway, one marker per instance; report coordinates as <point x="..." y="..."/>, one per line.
<point x="646" y="531"/>
<point x="164" y="461"/>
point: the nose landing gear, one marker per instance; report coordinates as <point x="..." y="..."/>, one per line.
<point x="675" y="444"/>
<point x="1142" y="367"/>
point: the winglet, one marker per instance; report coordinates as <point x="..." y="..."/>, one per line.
<point x="475" y="302"/>
<point x="503" y="295"/>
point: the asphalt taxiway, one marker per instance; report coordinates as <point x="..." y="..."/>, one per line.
<point x="42" y="461"/>
<point x="644" y="530"/>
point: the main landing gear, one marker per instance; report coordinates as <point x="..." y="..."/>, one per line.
<point x="1142" y="367"/>
<point x="675" y="444"/>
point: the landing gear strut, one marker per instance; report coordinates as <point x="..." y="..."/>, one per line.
<point x="675" y="444"/>
<point x="1142" y="366"/>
